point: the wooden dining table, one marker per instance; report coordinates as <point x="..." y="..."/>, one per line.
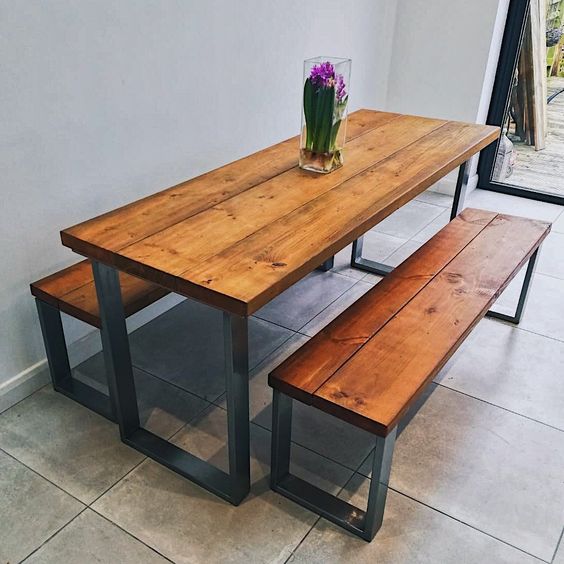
<point x="238" y="236"/>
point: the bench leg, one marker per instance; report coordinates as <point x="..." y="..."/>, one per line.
<point x="367" y="265"/>
<point x="364" y="524"/>
<point x="327" y="265"/>
<point x="523" y="296"/>
<point x="232" y="486"/>
<point x="59" y="366"/>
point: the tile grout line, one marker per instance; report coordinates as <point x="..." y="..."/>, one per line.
<point x="465" y="524"/>
<point x="130" y="534"/>
<point x="47" y="540"/>
<point x="341" y="490"/>
<point x="43" y="477"/>
<point x="498" y="406"/>
<point x="560" y="542"/>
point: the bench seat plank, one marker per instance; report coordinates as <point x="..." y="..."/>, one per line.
<point x="307" y="369"/>
<point x="372" y="362"/>
<point x="72" y="291"/>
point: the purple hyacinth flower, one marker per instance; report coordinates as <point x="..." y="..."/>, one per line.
<point x="322" y="75"/>
<point x="340" y="86"/>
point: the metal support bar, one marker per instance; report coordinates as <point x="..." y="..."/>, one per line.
<point x="364" y="524"/>
<point x="59" y="366"/>
<point x="459" y="192"/>
<point x="367" y="265"/>
<point x="232" y="487"/>
<point x="327" y="265"/>
<point x="523" y="296"/>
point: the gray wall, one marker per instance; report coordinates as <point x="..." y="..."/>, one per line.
<point x="102" y="102"/>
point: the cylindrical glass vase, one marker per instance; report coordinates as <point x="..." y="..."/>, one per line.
<point x="324" y="113"/>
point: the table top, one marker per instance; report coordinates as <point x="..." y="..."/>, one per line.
<point x="238" y="236"/>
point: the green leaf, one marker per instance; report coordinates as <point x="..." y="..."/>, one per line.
<point x="309" y="111"/>
<point x="334" y="133"/>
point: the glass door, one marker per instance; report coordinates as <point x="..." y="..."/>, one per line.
<point x="528" y="104"/>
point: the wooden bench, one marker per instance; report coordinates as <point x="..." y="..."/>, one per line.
<point x="370" y="365"/>
<point x="73" y="292"/>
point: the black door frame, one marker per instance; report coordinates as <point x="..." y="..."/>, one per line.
<point x="508" y="58"/>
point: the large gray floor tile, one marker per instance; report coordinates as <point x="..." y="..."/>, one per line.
<point x="304" y="300"/>
<point x="512" y="368"/>
<point x="337" y="307"/>
<point x="558" y="225"/>
<point x="435" y="198"/>
<point x="409" y="219"/>
<point x="559" y="556"/>
<point x="411" y="533"/>
<point x="545" y="309"/>
<point x="512" y="205"/>
<point x="551" y="260"/>
<point x="73" y="447"/>
<point x="433" y="228"/>
<point x="188" y="524"/>
<point x="31" y="510"/>
<point x="163" y="407"/>
<point x="185" y="347"/>
<point x="91" y="538"/>
<point x="492" y="469"/>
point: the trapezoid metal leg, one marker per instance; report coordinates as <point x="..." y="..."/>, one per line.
<point x="59" y="365"/>
<point x="523" y="296"/>
<point x="459" y="191"/>
<point x="364" y="524"/>
<point x="232" y="486"/>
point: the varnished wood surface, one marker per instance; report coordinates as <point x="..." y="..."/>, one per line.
<point x="371" y="363"/>
<point x="237" y="237"/>
<point x="72" y="291"/>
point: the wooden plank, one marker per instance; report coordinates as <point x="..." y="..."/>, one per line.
<point x="315" y="362"/>
<point x="133" y="222"/>
<point x="376" y="387"/>
<point x="72" y="290"/>
<point x="137" y="294"/>
<point x="247" y="275"/>
<point x="52" y="287"/>
<point x="194" y="240"/>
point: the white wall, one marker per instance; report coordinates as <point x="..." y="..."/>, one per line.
<point x="102" y="102"/>
<point x="444" y="59"/>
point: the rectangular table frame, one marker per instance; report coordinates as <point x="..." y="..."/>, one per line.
<point x="232" y="486"/>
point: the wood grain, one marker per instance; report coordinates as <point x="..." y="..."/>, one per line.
<point x="237" y="237"/>
<point x="128" y="224"/>
<point x="376" y="386"/>
<point x="316" y="361"/>
<point x="72" y="291"/>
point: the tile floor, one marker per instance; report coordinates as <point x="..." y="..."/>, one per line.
<point x="478" y="474"/>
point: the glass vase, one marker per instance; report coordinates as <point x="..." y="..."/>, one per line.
<point x="324" y="113"/>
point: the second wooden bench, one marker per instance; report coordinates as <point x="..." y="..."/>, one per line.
<point x="369" y="366"/>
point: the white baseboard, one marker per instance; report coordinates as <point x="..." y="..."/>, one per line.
<point x="23" y="384"/>
<point x="28" y="381"/>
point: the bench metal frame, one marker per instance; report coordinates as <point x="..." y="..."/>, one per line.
<point x="523" y="296"/>
<point x="232" y="486"/>
<point x="374" y="267"/>
<point x="59" y="365"/>
<point x="363" y="523"/>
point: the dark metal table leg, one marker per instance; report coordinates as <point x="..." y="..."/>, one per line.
<point x="523" y="296"/>
<point x="364" y="524"/>
<point x="232" y="486"/>
<point x="327" y="265"/>
<point x="459" y="191"/>
<point x="374" y="267"/>
<point x="59" y="366"/>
